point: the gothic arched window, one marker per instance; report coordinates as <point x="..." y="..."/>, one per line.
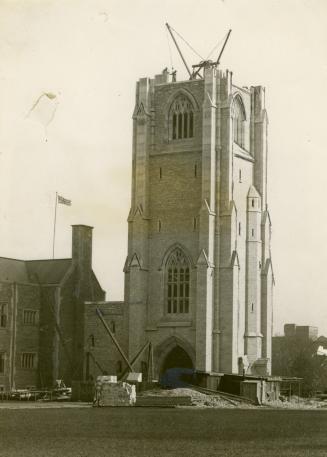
<point x="238" y="122"/>
<point x="178" y="283"/>
<point x="181" y="118"/>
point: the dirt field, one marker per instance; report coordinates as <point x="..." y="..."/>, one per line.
<point x="127" y="432"/>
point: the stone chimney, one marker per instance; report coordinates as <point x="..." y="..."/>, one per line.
<point x="82" y="263"/>
<point x="82" y="251"/>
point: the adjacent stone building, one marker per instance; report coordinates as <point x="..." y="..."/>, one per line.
<point x="302" y="354"/>
<point x="42" y="316"/>
<point x="287" y="347"/>
<point x="198" y="275"/>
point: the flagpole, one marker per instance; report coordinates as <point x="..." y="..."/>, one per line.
<point x="54" y="226"/>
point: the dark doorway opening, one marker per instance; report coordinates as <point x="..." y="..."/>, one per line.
<point x="177" y="369"/>
<point x="177" y="358"/>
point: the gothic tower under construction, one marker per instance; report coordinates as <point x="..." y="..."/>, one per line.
<point x="198" y="275"/>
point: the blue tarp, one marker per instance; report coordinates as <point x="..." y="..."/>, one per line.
<point x="177" y="377"/>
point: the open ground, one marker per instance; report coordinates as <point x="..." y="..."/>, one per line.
<point x="86" y="432"/>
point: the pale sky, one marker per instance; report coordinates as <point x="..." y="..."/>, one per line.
<point x="90" y="55"/>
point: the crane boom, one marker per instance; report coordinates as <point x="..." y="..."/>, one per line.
<point x="113" y="339"/>
<point x="178" y="49"/>
<point x="222" y="49"/>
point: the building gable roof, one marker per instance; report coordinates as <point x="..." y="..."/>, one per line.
<point x="13" y="270"/>
<point x="34" y="271"/>
<point x="47" y="271"/>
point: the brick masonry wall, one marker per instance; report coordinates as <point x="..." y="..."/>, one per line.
<point x="175" y="201"/>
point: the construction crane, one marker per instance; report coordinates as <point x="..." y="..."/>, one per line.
<point x="178" y="49"/>
<point x="204" y="63"/>
<point x="129" y="364"/>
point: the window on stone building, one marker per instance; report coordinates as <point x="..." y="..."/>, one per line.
<point x="160" y="173"/>
<point x="113" y="326"/>
<point x="238" y="121"/>
<point x="195" y="171"/>
<point x="92" y="341"/>
<point x="29" y="317"/>
<point x="195" y="223"/>
<point x="239" y="228"/>
<point x="2" y="362"/>
<point x="181" y="118"/>
<point x="119" y="366"/>
<point x="178" y="283"/>
<point x="3" y="315"/>
<point x="159" y="225"/>
<point x="28" y="360"/>
<point x="240" y="176"/>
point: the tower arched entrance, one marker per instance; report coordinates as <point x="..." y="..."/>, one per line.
<point x="177" y="368"/>
<point x="176" y="358"/>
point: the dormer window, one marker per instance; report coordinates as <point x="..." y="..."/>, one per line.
<point x="181" y="118"/>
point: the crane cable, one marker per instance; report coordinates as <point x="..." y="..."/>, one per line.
<point x="188" y="44"/>
<point x="170" y="53"/>
<point x="218" y="44"/>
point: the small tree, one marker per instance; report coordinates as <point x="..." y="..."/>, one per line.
<point x="297" y="357"/>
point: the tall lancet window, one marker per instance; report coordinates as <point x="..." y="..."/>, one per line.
<point x="178" y="283"/>
<point x="238" y="121"/>
<point x="181" y="118"/>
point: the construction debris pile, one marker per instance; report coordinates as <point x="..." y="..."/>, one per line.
<point x="296" y="402"/>
<point x="109" y="392"/>
<point x="195" y="397"/>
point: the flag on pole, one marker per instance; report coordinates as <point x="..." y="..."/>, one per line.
<point x="64" y="201"/>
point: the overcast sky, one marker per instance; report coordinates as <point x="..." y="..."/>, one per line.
<point x="89" y="54"/>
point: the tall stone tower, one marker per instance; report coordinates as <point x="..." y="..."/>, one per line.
<point x="198" y="275"/>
